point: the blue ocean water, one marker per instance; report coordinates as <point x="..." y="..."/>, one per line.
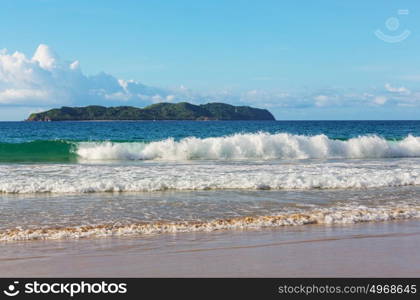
<point x="18" y="132"/>
<point x="96" y="179"/>
<point x="69" y="141"/>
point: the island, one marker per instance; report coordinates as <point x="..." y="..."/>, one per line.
<point x="158" y="111"/>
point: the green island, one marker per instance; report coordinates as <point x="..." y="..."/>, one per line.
<point x="159" y="111"/>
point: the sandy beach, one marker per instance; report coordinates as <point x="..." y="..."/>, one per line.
<point x="383" y="249"/>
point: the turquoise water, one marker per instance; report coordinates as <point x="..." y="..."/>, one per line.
<point x="60" y="141"/>
<point x="98" y="179"/>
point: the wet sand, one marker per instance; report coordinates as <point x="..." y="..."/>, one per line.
<point x="386" y="249"/>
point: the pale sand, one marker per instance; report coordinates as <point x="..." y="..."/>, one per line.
<point x="389" y="249"/>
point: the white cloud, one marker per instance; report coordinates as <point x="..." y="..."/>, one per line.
<point x="170" y="98"/>
<point x="17" y="96"/>
<point x="380" y="100"/>
<point x="400" y="90"/>
<point x="321" y="100"/>
<point x="75" y="65"/>
<point x="44" y="79"/>
<point x="45" y="57"/>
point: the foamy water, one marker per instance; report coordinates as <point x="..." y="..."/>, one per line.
<point x="263" y="146"/>
<point x="86" y="178"/>
<point x="82" y="180"/>
<point x="330" y="216"/>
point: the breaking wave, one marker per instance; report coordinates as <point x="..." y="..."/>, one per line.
<point x="245" y="146"/>
<point x="259" y="146"/>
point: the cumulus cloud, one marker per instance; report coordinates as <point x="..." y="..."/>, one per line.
<point x="46" y="58"/>
<point x="44" y="79"/>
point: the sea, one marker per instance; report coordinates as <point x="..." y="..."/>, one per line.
<point x="73" y="180"/>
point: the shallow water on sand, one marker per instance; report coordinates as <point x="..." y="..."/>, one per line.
<point x="51" y="216"/>
<point x="101" y="179"/>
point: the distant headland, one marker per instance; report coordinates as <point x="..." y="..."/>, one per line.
<point x="159" y="111"/>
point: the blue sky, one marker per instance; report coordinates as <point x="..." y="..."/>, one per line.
<point x="300" y="59"/>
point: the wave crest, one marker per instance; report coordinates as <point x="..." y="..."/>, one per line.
<point x="260" y="146"/>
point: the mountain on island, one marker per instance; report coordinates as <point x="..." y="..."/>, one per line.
<point x="159" y="111"/>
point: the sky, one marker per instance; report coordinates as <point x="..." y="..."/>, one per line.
<point x="302" y="60"/>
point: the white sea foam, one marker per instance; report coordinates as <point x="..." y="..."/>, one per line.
<point x="147" y="177"/>
<point x="327" y="216"/>
<point x="262" y="146"/>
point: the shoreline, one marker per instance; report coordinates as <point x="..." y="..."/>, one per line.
<point x="385" y="249"/>
<point x="140" y="229"/>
